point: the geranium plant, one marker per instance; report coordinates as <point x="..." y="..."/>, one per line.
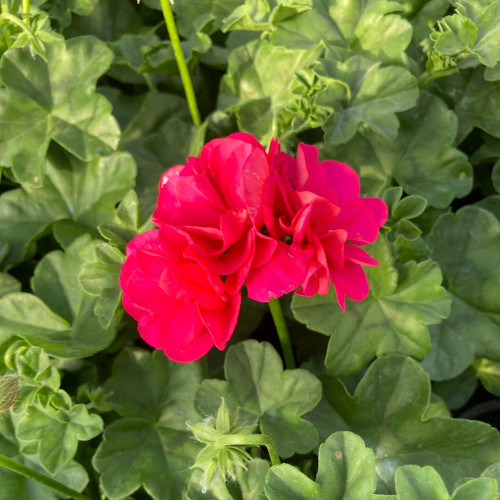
<point x="250" y="249"/>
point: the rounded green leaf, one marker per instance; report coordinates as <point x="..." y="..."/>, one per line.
<point x="58" y="95"/>
<point x="420" y="483"/>
<point x="151" y="445"/>
<point x="394" y="318"/>
<point x="346" y="471"/>
<point x="388" y="410"/>
<point x="465" y="246"/>
<point x="257" y="384"/>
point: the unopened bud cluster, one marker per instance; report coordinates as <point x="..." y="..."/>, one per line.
<point x="218" y="454"/>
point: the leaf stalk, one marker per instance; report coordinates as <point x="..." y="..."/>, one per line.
<point x="22" y="469"/>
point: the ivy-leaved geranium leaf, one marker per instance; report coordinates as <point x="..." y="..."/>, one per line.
<point x="264" y="393"/>
<point x="474" y="29"/>
<point x="259" y="83"/>
<point x="346" y="470"/>
<point x="393" y="318"/>
<point x="56" y="433"/>
<point x="367" y="27"/>
<point x="19" y="487"/>
<point x="421" y="158"/>
<point x="83" y="192"/>
<point x="375" y="95"/>
<point x="150" y="445"/>
<point x="465" y="246"/>
<point x="477" y="104"/>
<point x="388" y="410"/>
<point x="54" y="99"/>
<point x="99" y="276"/>
<point x="59" y="316"/>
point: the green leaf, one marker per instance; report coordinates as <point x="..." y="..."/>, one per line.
<point x="285" y="482"/>
<point x="56" y="98"/>
<point x="261" y="15"/>
<point x="388" y="411"/>
<point x="477" y="104"/>
<point x="482" y="488"/>
<point x="488" y="373"/>
<point x="394" y="318"/>
<point x="422" y="14"/>
<point x="62" y="10"/>
<point x="59" y="317"/>
<point x="457" y="391"/>
<point x="15" y="486"/>
<point x="157" y="130"/>
<point x="495" y="176"/>
<point x="465" y="246"/>
<point x="40" y="379"/>
<point x="277" y="399"/>
<point x="474" y="29"/>
<point x="493" y="471"/>
<point x="367" y="27"/>
<point x="99" y="276"/>
<point x="249" y="82"/>
<point x="150" y="446"/>
<point x="420" y="158"/>
<point x="202" y="15"/>
<point x="82" y="192"/>
<point x="8" y="284"/>
<point x="375" y="95"/>
<point x="125" y="224"/>
<point x="419" y="483"/>
<point x="346" y="470"/>
<point x="57" y="433"/>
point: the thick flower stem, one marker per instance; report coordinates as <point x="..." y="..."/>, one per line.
<point x="12" y="465"/>
<point x="281" y="328"/>
<point x="181" y="62"/>
<point x="26" y="6"/>
<point x="251" y="440"/>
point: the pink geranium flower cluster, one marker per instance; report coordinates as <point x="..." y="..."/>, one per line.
<point x="238" y="215"/>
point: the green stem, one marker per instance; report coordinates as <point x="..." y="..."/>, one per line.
<point x="5" y="6"/>
<point x="181" y="62"/>
<point x="251" y="440"/>
<point x="26" y="6"/>
<point x="148" y="81"/>
<point x="281" y="328"/>
<point x="15" y="20"/>
<point x="14" y="466"/>
<point x="427" y="78"/>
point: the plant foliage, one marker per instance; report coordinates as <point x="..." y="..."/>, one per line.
<point x="92" y="112"/>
